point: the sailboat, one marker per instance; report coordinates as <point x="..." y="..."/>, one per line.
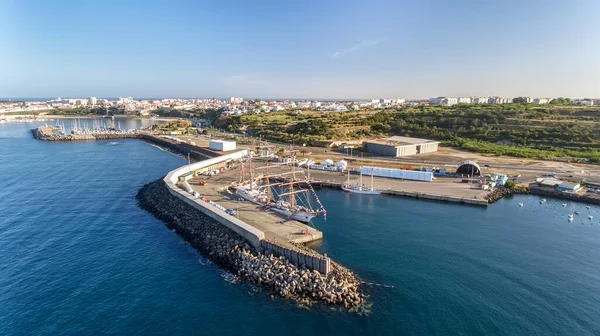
<point x="288" y="202"/>
<point x="359" y="188"/>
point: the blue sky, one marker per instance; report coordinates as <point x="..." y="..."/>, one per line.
<point x="299" y="49"/>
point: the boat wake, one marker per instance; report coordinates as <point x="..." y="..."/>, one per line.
<point x="113" y="143"/>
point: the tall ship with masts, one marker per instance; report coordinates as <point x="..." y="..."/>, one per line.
<point x="360" y="187"/>
<point x="291" y="198"/>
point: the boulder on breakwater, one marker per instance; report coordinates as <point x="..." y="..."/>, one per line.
<point x="48" y="133"/>
<point x="500" y="192"/>
<point x="232" y="252"/>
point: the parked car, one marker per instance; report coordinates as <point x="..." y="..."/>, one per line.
<point x="230" y="212"/>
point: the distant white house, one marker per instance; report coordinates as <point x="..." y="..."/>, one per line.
<point x="541" y="100"/>
<point x="443" y="101"/>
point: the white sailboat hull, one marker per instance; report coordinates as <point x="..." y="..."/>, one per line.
<point x="301" y="216"/>
<point x="245" y="195"/>
<point x="362" y="191"/>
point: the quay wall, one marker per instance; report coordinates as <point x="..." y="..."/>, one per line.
<point x="472" y="201"/>
<point x="315" y="261"/>
<point x="464" y="200"/>
<point x="250" y="233"/>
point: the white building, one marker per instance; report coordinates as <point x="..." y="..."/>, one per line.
<point x="92" y="101"/>
<point x="236" y="100"/>
<point x="315" y="104"/>
<point x="541" y="100"/>
<point x="443" y="101"/>
<point x="400" y="101"/>
<point x="397" y="146"/>
<point x="498" y="100"/>
<point x="480" y="100"/>
<point x="278" y="108"/>
<point x="587" y="102"/>
<point x="127" y="100"/>
<point x="464" y="100"/>
<point x="221" y="145"/>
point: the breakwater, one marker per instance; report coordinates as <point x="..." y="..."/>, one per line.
<point x="534" y="189"/>
<point x="196" y="153"/>
<point x="49" y="133"/>
<point x="500" y="192"/>
<point x="236" y="254"/>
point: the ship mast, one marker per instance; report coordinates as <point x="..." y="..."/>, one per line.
<point x="268" y="186"/>
<point x="250" y="167"/>
<point x="348" y="183"/>
<point x="371" y="178"/>
<point x="360" y="180"/>
<point x="292" y="196"/>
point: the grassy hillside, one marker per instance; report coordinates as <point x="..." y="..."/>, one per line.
<point x="544" y="132"/>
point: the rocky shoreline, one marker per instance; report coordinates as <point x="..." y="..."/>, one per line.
<point x="233" y="253"/>
<point x="500" y="192"/>
<point x="46" y="133"/>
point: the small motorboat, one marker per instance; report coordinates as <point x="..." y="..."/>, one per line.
<point x="542" y="201"/>
<point x="564" y="204"/>
<point x="590" y="217"/>
<point x="577" y="212"/>
<point x="521" y="204"/>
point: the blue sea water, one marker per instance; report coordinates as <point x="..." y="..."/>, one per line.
<point x="78" y="257"/>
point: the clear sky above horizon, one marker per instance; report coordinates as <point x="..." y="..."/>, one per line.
<point x="299" y="49"/>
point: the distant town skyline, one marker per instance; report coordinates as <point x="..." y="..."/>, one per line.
<point x="334" y="49"/>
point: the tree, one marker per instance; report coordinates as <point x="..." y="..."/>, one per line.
<point x="510" y="184"/>
<point x="520" y="100"/>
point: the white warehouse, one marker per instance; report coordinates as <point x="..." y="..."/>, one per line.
<point x="221" y="145"/>
<point x="401" y="146"/>
<point x="414" y="175"/>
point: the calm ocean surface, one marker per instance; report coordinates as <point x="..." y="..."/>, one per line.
<point x="78" y="257"/>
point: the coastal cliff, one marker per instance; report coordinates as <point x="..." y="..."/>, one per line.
<point x="233" y="253"/>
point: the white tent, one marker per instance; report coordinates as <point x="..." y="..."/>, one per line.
<point x="342" y="164"/>
<point x="327" y="162"/>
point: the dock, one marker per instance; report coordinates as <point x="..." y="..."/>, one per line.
<point x="276" y="228"/>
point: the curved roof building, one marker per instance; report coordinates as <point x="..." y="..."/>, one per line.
<point x="469" y="168"/>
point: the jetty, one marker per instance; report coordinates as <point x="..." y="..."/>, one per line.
<point x="53" y="133"/>
<point x="258" y="246"/>
<point x="254" y="245"/>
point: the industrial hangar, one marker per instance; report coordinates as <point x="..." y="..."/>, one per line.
<point x="400" y="146"/>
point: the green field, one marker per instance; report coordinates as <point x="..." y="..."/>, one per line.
<point x="522" y="130"/>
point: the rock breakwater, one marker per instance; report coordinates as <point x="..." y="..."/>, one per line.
<point x="500" y="192"/>
<point x="48" y="133"/>
<point x="232" y="252"/>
